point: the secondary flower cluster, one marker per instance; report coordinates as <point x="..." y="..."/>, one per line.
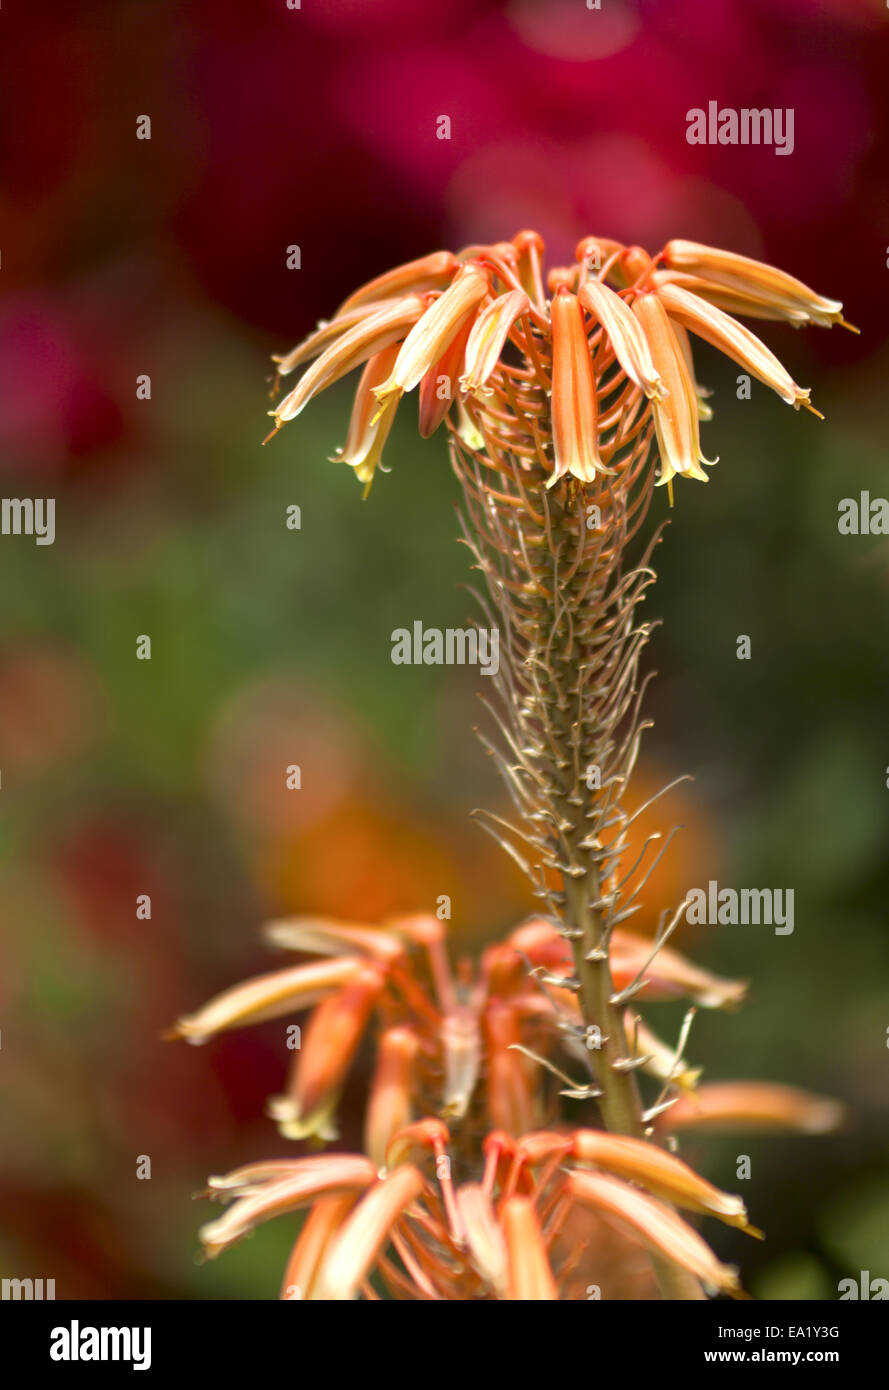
<point x="461" y="1191"/>
<point x="566" y="374"/>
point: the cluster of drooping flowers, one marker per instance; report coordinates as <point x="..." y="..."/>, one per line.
<point x="472" y="1183"/>
<point x="477" y="1182"/>
<point x="566" y="374"/>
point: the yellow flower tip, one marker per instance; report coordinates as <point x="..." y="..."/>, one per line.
<point x="467" y="429"/>
<point x="809" y="407"/>
<point x="844" y="323"/>
<point x="369" y="427"/>
<point x="294" y="1125"/>
<point x="659" y="1058"/>
<point x="692" y="471"/>
<point x="385" y="394"/>
<point x="278" y="427"/>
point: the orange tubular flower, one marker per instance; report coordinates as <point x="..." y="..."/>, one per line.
<point x="428" y="273"/>
<point x="701" y="393"/>
<point x="461" y="1046"/>
<point x="369" y="427"/>
<point x="629" y="342"/>
<point x="253" y="1177"/>
<point x="790" y="298"/>
<point x="324" y="337"/>
<point x="370" y="335"/>
<point x="529" y="249"/>
<point x="676" y="413"/>
<point x="267" y="996"/>
<point x="332" y="1038"/>
<point x="439" y="386"/>
<point x="321" y="1225"/>
<point x="745" y="303"/>
<point x="488" y="337"/>
<point x="325" y="937"/>
<point x="732" y="338"/>
<point x="574" y="408"/>
<point x="662" y="973"/>
<point x="511" y="1099"/>
<point x="736" y="1107"/>
<point x="656" y="1225"/>
<point x="422" y="1137"/>
<point x="563" y="277"/>
<point x="390" y="1105"/>
<point x="306" y="1179"/>
<point x="659" y="1173"/>
<point x="365" y="1232"/>
<point x="529" y="1273"/>
<point x="484" y="1236"/>
<point x="634" y="264"/>
<point x="670" y="975"/>
<point x="431" y="335"/>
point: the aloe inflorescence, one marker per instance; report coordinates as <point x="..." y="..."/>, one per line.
<point x="568" y="395"/>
